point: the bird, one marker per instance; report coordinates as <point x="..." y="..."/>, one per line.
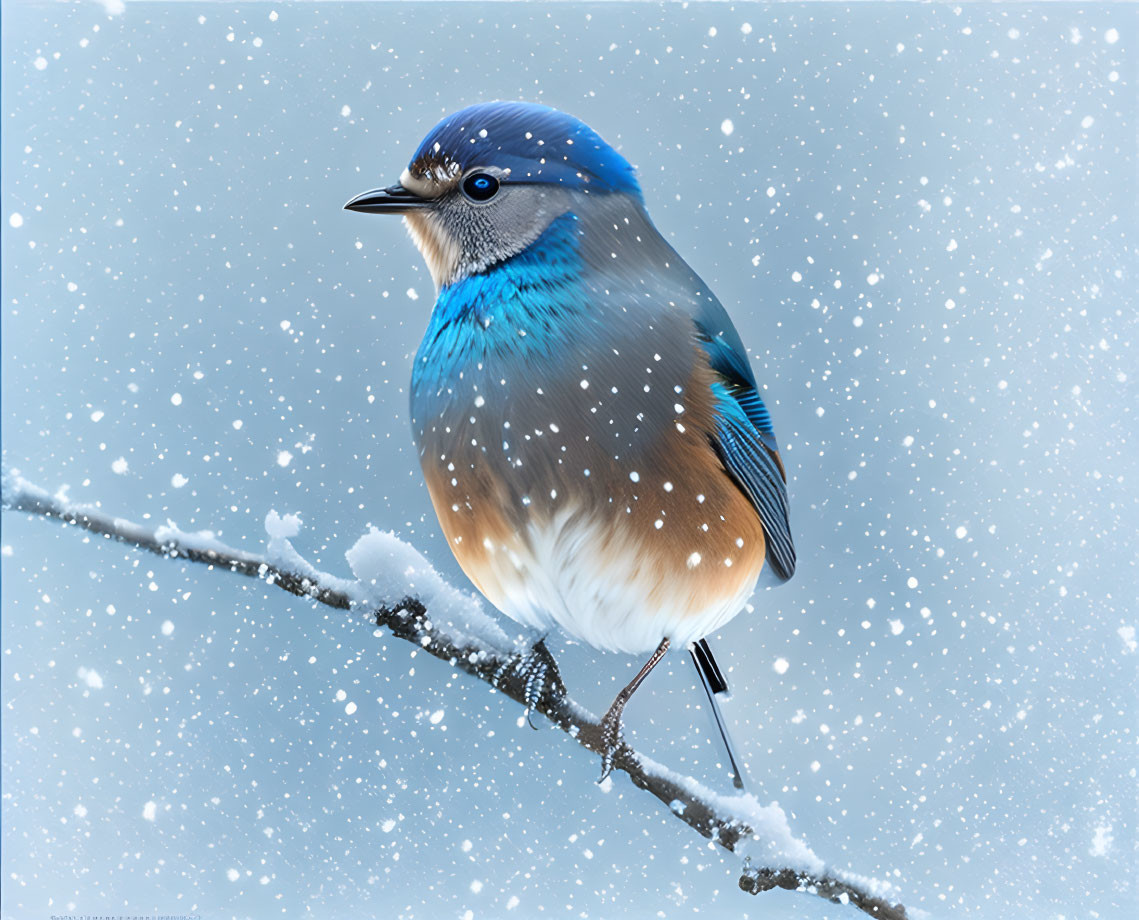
<point x="590" y="431"/>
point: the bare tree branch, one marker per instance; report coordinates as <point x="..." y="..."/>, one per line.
<point x="731" y="821"/>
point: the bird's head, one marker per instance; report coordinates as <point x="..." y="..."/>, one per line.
<point x="487" y="180"/>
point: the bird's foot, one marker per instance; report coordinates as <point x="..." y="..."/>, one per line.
<point x="611" y="737"/>
<point x="537" y="672"/>
<point x="611" y="724"/>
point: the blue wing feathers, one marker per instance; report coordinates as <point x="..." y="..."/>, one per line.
<point x="746" y="443"/>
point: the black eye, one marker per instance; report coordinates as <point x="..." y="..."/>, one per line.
<point x="480" y="186"/>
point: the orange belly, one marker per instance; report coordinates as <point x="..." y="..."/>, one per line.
<point x="661" y="545"/>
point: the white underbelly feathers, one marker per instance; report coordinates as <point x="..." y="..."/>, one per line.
<point x="609" y="589"/>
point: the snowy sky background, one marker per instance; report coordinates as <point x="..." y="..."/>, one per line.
<point x="923" y="220"/>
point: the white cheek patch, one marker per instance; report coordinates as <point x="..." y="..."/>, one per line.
<point x="440" y="250"/>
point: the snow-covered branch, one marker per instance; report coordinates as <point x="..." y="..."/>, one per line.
<point x="398" y="589"/>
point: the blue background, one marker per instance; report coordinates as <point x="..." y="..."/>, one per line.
<point x="924" y="224"/>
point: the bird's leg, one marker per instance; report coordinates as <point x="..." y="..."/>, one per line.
<point x="538" y="673"/>
<point x="611" y="723"/>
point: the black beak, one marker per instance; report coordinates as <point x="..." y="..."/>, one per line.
<point x="394" y="199"/>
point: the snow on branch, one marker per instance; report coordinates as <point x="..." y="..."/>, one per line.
<point x="399" y="590"/>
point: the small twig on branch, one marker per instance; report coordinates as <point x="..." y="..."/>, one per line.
<point x="737" y="823"/>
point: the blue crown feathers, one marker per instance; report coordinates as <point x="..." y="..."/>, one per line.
<point x="535" y="142"/>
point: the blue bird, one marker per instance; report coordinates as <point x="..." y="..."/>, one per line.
<point x="589" y="427"/>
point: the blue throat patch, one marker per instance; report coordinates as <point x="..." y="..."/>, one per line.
<point x="520" y="308"/>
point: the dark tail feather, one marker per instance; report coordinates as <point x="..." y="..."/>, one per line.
<point x="717" y="688"/>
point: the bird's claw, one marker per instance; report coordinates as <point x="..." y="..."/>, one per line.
<point x="538" y="673"/>
<point x="610" y="740"/>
